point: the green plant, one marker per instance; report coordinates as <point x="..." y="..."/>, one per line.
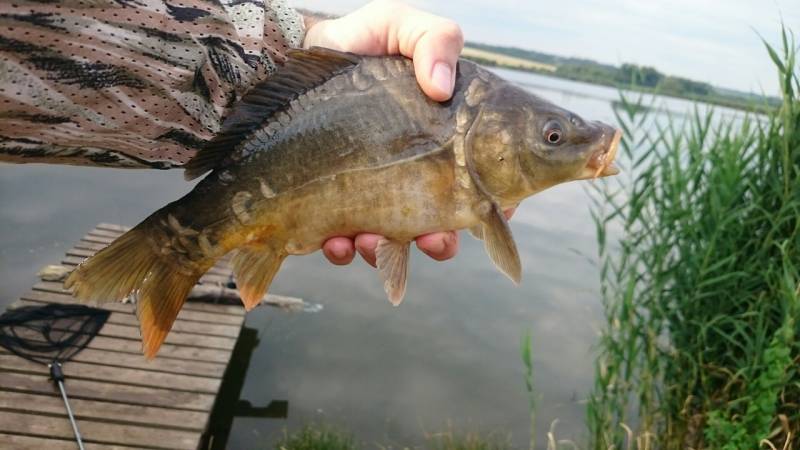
<point x="313" y="437"/>
<point x="451" y="440"/>
<point x="701" y="287"/>
<point x="527" y="359"/>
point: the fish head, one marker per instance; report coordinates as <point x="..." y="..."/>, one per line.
<point x="523" y="144"/>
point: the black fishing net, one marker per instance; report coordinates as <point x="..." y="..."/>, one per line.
<point x="50" y="333"/>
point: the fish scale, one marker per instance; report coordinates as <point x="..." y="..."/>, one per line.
<point x="334" y="145"/>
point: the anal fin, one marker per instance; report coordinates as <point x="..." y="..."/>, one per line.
<point x="157" y="305"/>
<point x="500" y="243"/>
<point x="254" y="269"/>
<point x="392" y="262"/>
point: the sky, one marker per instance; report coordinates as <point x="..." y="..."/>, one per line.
<point x="714" y="41"/>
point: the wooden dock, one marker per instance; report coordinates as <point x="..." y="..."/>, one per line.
<point x="120" y="400"/>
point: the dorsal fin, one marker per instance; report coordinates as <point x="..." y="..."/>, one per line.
<point x="303" y="71"/>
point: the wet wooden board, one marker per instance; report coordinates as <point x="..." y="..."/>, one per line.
<point x="121" y="400"/>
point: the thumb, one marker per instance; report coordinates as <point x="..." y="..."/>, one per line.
<point x="435" y="56"/>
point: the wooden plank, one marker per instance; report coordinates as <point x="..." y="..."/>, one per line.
<point x="105" y="233"/>
<point x="166" y="351"/>
<point x="89" y="246"/>
<point x="121" y="399"/>
<point x="46" y="294"/>
<point x="35" y="298"/>
<point x="20" y="442"/>
<point x="98" y="432"/>
<point x="112" y="227"/>
<point x="106" y="411"/>
<point x="97" y="239"/>
<point x="192" y="340"/>
<point x="174" y="337"/>
<point x="128" y="319"/>
<point x="116" y="375"/>
<point x="120" y="393"/>
<point x="138" y="361"/>
<point x="179" y="353"/>
<point x="213" y="310"/>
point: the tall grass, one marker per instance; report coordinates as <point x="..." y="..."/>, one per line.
<point x="702" y="288"/>
<point x="526" y="353"/>
<point x="317" y="437"/>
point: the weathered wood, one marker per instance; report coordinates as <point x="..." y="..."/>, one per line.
<point x="97" y="432"/>
<point x="107" y="411"/>
<point x="105" y="233"/>
<point x="137" y="361"/>
<point x="175" y="337"/>
<point x="20" y="442"/>
<point x="212" y="309"/>
<point x="112" y="227"/>
<point x="115" y="375"/>
<point x="48" y="296"/>
<point x="167" y="352"/>
<point x="193" y="340"/>
<point x="121" y="393"/>
<point x="128" y="319"/>
<point x="120" y="399"/>
<point x="179" y="352"/>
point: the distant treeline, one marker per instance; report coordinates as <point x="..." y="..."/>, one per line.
<point x="632" y="76"/>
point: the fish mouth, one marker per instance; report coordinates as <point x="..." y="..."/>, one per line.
<point x="601" y="161"/>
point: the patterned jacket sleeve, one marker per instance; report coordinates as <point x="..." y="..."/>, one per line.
<point x="130" y="83"/>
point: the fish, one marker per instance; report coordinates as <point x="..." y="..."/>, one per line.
<point x="334" y="144"/>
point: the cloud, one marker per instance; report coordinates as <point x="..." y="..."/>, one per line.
<point x="706" y="40"/>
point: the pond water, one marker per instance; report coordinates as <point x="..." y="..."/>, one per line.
<point x="448" y="357"/>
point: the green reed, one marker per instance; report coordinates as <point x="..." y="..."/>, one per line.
<point x="700" y="267"/>
<point x="317" y="437"/>
<point x="526" y="353"/>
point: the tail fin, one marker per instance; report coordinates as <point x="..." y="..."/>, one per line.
<point x="129" y="265"/>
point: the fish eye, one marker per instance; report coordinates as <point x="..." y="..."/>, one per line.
<point x="553" y="133"/>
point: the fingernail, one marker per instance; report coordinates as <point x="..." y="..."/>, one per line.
<point x="442" y="77"/>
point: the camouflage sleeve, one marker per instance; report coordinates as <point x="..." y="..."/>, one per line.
<point x="130" y="83"/>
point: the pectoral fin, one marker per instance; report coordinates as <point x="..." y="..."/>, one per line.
<point x="254" y="269"/>
<point x="500" y="244"/>
<point x="477" y="232"/>
<point x="392" y="261"/>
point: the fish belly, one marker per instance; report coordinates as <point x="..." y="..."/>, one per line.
<point x="400" y="201"/>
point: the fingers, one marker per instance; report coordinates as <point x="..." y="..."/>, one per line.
<point x="386" y="27"/>
<point x="435" y="50"/>
<point x="439" y="246"/>
<point x="339" y="250"/>
<point x="366" y="243"/>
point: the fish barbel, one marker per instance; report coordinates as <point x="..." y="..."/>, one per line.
<point x="335" y="144"/>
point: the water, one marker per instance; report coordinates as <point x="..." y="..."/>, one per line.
<point x="449" y="356"/>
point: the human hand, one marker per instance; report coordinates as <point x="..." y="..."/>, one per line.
<point x="386" y="27"/>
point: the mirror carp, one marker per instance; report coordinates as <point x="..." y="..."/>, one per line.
<point x="334" y="144"/>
